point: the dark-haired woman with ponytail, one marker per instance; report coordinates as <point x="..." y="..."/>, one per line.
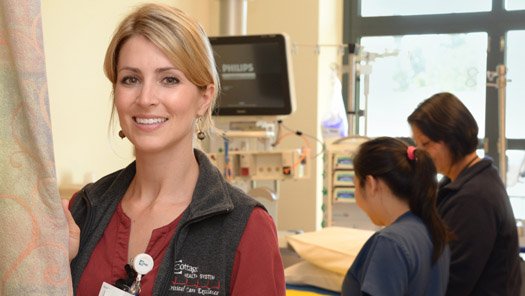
<point x="396" y="187"/>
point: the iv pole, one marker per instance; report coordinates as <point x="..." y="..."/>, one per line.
<point x="502" y="88"/>
<point x="501" y="85"/>
<point x="356" y="68"/>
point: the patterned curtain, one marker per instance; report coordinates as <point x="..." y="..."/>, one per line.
<point x="33" y="231"/>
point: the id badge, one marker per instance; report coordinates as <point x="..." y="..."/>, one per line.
<point x="109" y="290"/>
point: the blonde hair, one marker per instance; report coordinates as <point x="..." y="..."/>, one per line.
<point x="179" y="37"/>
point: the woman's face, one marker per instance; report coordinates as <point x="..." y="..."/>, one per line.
<point x="156" y="104"/>
<point x="437" y="150"/>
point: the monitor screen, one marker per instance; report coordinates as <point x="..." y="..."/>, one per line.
<point x="255" y="75"/>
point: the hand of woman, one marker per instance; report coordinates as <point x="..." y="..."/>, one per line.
<point x="74" y="231"/>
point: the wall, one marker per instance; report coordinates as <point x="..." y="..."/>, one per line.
<point x="76" y="34"/>
<point x="297" y="205"/>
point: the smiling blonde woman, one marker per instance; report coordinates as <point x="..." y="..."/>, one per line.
<point x="205" y="236"/>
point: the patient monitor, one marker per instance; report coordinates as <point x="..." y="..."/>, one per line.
<point x="257" y="91"/>
<point x="256" y="76"/>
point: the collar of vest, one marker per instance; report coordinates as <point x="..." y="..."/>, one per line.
<point x="211" y="195"/>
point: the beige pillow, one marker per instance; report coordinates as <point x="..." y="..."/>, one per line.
<point x="305" y="273"/>
<point x="332" y="248"/>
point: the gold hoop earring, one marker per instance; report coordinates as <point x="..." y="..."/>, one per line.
<point x="121" y="134"/>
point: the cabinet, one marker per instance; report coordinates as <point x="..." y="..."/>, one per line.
<point x="338" y="185"/>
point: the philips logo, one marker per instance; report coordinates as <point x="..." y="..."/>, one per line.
<point x="237" y="68"/>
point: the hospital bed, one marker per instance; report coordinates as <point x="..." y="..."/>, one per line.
<point x="316" y="262"/>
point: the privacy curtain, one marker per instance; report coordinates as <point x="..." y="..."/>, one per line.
<point x="33" y="231"/>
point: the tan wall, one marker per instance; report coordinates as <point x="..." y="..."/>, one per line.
<point x="76" y="34"/>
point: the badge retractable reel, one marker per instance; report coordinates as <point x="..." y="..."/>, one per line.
<point x="142" y="264"/>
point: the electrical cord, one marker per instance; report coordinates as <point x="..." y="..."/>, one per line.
<point x="298" y="133"/>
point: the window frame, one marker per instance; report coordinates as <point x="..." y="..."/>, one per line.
<point x="355" y="26"/>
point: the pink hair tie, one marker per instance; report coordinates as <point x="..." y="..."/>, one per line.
<point x="410" y="152"/>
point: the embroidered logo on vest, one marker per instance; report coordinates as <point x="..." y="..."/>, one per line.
<point x="188" y="279"/>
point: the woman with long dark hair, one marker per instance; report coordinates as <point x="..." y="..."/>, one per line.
<point x="396" y="187"/>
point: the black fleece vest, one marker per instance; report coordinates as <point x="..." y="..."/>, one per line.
<point x="203" y="253"/>
<point x="199" y="259"/>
